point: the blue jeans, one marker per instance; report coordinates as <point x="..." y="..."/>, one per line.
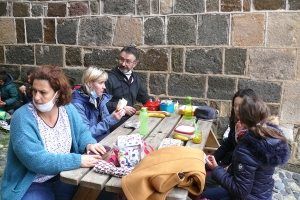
<point x="217" y="193"/>
<point x="52" y="189"/>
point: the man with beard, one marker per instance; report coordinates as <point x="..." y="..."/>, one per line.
<point x="124" y="83"/>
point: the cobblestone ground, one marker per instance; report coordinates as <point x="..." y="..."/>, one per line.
<point x="287" y="183"/>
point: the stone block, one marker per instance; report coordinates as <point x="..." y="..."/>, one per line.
<point x="154" y="59"/>
<point x="73" y="56"/>
<point x="34" y="30"/>
<point x="94" y="7"/>
<point x="7" y="31"/>
<point x="204" y="61"/>
<point x="3" y="8"/>
<point x="128" y="31"/>
<point x="154" y="31"/>
<point x="75" y="74"/>
<point x="97" y="31"/>
<point x="21" y="9"/>
<point x="221" y="88"/>
<point x="298" y="66"/>
<point x="24" y="70"/>
<point x="78" y="9"/>
<point x="14" y="71"/>
<point x="1" y="54"/>
<point x="117" y="7"/>
<point x="49" y="55"/>
<point x="213" y="30"/>
<point x="283" y="29"/>
<point x="288" y="131"/>
<point x="166" y="7"/>
<point x="104" y="58"/>
<point x="143" y="7"/>
<point x="272" y="64"/>
<point x="57" y="9"/>
<point x="274" y="109"/>
<point x="49" y="31"/>
<point x="177" y="25"/>
<point x="248" y="30"/>
<point x="294" y="4"/>
<point x="186" y="85"/>
<point x="157" y="84"/>
<point x="230" y="5"/>
<point x="190" y="6"/>
<point x="154" y="6"/>
<point x="67" y="31"/>
<point x="144" y="79"/>
<point x="225" y="109"/>
<point x="221" y="125"/>
<point x="235" y="61"/>
<point x="37" y="10"/>
<point x="212" y="5"/>
<point x="268" y="4"/>
<point x="290" y="109"/>
<point x="19" y="55"/>
<point x="270" y="92"/>
<point x="246" y="5"/>
<point x="20" y="30"/>
<point x="177" y="59"/>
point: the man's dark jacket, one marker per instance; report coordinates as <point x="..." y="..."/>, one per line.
<point x="119" y="88"/>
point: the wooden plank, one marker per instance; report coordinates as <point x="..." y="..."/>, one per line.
<point x="177" y="194"/>
<point x="114" y="185"/>
<point x="84" y="193"/>
<point x="209" y="150"/>
<point x="93" y="194"/>
<point x="94" y="180"/>
<point x="212" y="140"/>
<point x="73" y="177"/>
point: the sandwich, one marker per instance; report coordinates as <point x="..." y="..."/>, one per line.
<point x="121" y="104"/>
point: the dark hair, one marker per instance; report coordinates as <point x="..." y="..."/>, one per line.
<point x="131" y="50"/>
<point x="29" y="72"/>
<point x="3" y="74"/>
<point x="241" y="93"/>
<point x="254" y="113"/>
<point x="57" y="80"/>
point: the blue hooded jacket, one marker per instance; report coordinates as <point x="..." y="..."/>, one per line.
<point x="253" y="164"/>
<point x="97" y="120"/>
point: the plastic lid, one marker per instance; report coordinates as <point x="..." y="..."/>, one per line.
<point x="143" y="109"/>
<point x="185" y="129"/>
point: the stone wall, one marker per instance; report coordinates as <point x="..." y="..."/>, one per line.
<point x="207" y="49"/>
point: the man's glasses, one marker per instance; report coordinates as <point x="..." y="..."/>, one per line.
<point x="127" y="62"/>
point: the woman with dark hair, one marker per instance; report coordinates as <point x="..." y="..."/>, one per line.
<point x="261" y="147"/>
<point x="47" y="136"/>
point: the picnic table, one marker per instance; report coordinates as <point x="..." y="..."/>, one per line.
<point x="92" y="182"/>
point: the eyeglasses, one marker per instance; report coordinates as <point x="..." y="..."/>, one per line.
<point x="127" y="62"/>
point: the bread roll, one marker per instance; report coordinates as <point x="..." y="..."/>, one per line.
<point x="121" y="104"/>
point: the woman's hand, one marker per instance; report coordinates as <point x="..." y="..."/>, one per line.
<point x="96" y="149"/>
<point x="211" y="162"/>
<point x="118" y="114"/>
<point x="129" y="110"/>
<point x="89" y="160"/>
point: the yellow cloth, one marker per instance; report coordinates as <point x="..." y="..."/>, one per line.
<point x="157" y="173"/>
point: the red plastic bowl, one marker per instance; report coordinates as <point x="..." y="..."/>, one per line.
<point x="152" y="108"/>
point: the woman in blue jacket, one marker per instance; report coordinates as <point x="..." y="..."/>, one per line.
<point x="46" y="137"/>
<point x="90" y="101"/>
<point x="261" y="147"/>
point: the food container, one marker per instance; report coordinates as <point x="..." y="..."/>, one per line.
<point x="166" y="105"/>
<point x="152" y="105"/>
<point x="185" y="130"/>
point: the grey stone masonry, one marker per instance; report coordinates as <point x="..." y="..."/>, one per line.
<point x="20" y="30"/>
<point x="19" y="55"/>
<point x="157" y="84"/>
<point x="3" y="8"/>
<point x="21" y="9"/>
<point x="34" y="30"/>
<point x="220" y="88"/>
<point x="104" y="58"/>
<point x="191" y="6"/>
<point x="185" y="85"/>
<point x="212" y="5"/>
<point x="144" y="79"/>
<point x="37" y="10"/>
<point x="154" y="31"/>
<point x="95" y="31"/>
<point x="49" y="55"/>
<point x="290" y="110"/>
<point x="14" y="71"/>
<point x="143" y="7"/>
<point x="67" y="31"/>
<point x="235" y="61"/>
<point x="153" y="59"/>
<point x="73" y="56"/>
<point x="268" y="91"/>
<point x="117" y="7"/>
<point x="178" y="25"/>
<point x="294" y="4"/>
<point x="1" y="54"/>
<point x="213" y="29"/>
<point x="74" y="74"/>
<point x="204" y="61"/>
<point x="177" y="59"/>
<point x="154" y="6"/>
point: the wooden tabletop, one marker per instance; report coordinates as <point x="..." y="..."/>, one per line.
<point x="159" y="128"/>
